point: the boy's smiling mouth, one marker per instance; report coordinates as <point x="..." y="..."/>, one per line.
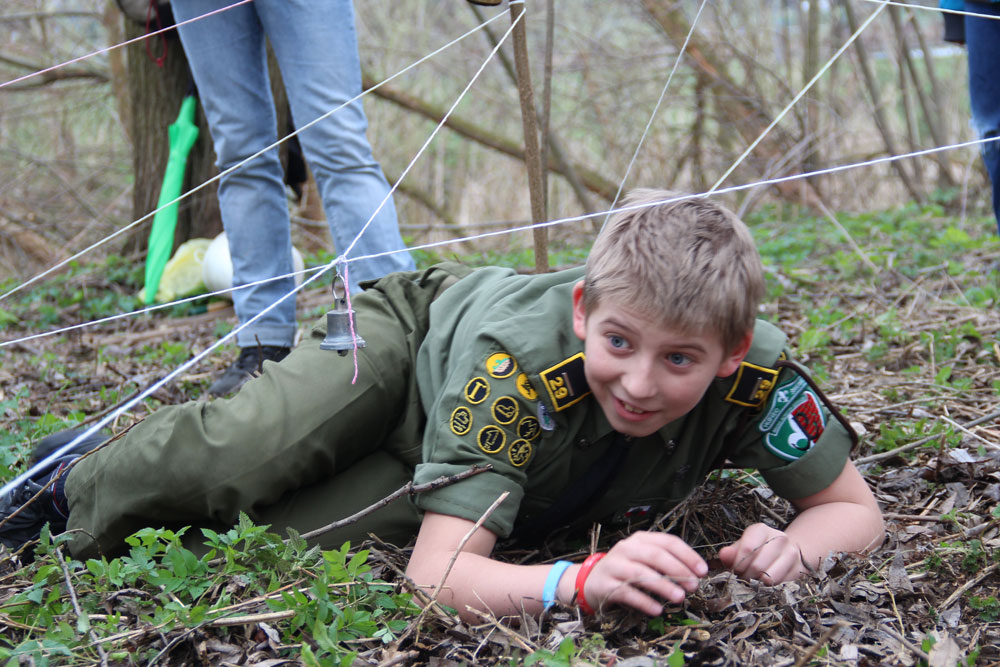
<point x="630" y="411"/>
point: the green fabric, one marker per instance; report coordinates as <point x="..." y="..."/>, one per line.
<point x="496" y="311"/>
<point x="182" y="133"/>
<point x="302" y="446"/>
<point x="296" y="426"/>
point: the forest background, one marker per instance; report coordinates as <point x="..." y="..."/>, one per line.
<point x="84" y="146"/>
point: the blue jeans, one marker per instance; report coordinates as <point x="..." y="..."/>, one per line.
<point x="316" y="48"/>
<point x="982" y="37"/>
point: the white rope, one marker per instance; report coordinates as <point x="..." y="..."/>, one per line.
<point x="511" y="230"/>
<point x="722" y="191"/>
<point x="935" y="8"/>
<point x="114" y="414"/>
<point x="809" y="85"/>
<point x="656" y="108"/>
<point x="433" y="134"/>
<point x="197" y="188"/>
<point x="159" y="306"/>
<point x="118" y="46"/>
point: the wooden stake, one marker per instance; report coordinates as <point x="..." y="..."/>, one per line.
<point x="532" y="156"/>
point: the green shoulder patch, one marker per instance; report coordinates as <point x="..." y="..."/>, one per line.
<point x="794" y="420"/>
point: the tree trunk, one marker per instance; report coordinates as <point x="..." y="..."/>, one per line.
<point x="155" y="95"/>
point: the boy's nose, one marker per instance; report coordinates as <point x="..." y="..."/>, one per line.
<point x="638" y="382"/>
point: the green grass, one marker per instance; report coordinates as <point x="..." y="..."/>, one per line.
<point x="331" y="595"/>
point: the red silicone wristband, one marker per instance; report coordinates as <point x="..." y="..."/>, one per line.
<point x="581" y="579"/>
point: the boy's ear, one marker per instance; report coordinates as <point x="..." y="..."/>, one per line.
<point x="732" y="361"/>
<point x="579" y="314"/>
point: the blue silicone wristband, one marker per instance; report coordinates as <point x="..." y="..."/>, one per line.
<point x="552" y="582"/>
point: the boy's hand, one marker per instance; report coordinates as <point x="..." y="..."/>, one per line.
<point x="763" y="553"/>
<point x="645" y="562"/>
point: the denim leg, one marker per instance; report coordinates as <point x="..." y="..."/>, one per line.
<point x="982" y="37"/>
<point x="316" y="46"/>
<point x="228" y="60"/>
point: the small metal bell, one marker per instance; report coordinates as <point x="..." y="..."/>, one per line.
<point x="338" y="327"/>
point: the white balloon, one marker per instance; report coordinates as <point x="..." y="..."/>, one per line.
<point x="217" y="267"/>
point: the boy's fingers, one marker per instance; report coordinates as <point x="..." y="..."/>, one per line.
<point x="671" y="581"/>
<point x="771" y="562"/>
<point x="671" y="552"/>
<point x="727" y="555"/>
<point x="637" y="589"/>
<point x="636" y="599"/>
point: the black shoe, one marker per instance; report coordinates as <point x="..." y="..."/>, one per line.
<point x="50" y="505"/>
<point x="52" y="443"/>
<point x="247" y="365"/>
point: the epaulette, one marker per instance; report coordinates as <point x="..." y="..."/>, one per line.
<point x="752" y="385"/>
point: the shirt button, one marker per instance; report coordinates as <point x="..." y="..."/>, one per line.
<point x="583" y="443"/>
<point x="670" y="446"/>
<point x="682" y="472"/>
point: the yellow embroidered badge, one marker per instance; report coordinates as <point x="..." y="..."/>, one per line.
<point x="524" y="387"/>
<point x="529" y="428"/>
<point x="477" y="390"/>
<point x="491" y="439"/>
<point x="461" y="420"/>
<point x="519" y="452"/>
<point x="500" y="365"/>
<point x="505" y="410"/>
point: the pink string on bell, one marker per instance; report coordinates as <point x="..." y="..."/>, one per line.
<point x="350" y="321"/>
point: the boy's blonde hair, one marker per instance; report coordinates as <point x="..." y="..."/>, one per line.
<point x="690" y="264"/>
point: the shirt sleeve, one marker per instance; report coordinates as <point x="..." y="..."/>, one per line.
<point x="794" y="441"/>
<point x="484" y="414"/>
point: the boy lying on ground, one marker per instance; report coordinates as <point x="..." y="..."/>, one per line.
<point x="591" y="392"/>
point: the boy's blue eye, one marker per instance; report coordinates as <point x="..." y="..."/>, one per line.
<point x="617" y="341"/>
<point x="678" y="359"/>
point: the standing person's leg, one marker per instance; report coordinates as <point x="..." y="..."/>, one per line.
<point x="316" y="46"/>
<point x="228" y="60"/>
<point x="982" y="36"/>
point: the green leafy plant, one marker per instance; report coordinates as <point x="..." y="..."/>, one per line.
<point x="986" y="606"/>
<point x="331" y="598"/>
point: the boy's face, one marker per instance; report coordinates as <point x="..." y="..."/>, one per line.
<point x="643" y="374"/>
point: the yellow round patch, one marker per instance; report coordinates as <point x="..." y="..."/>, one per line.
<point x="524" y="387"/>
<point x="500" y="365"/>
<point x="529" y="428"/>
<point x="491" y="439"/>
<point x="461" y="420"/>
<point x="519" y="452"/>
<point x="477" y="390"/>
<point x="505" y="410"/>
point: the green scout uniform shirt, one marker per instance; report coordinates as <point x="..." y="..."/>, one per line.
<point x="495" y="389"/>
